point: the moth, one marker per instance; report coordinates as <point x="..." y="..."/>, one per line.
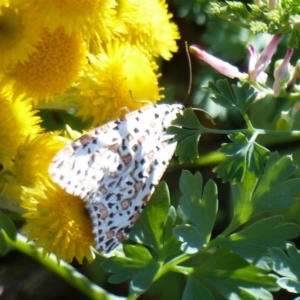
<point x="115" y="168"/>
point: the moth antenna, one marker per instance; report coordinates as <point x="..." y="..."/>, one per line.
<point x="190" y="84"/>
<point x="139" y="101"/>
<point x="190" y="71"/>
<point x="209" y="116"/>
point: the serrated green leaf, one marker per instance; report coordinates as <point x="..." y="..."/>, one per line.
<point x="233" y="277"/>
<point x="234" y="96"/>
<point x="242" y="200"/>
<point x="149" y="229"/>
<point x="141" y="283"/>
<point x="245" y="95"/>
<point x="124" y="268"/>
<point x="187" y="131"/>
<point x="187" y="120"/>
<point x="239" y="141"/>
<point x="253" y="242"/>
<point x="291" y="285"/>
<point x="222" y="93"/>
<point x="257" y="158"/>
<point x="167" y="287"/>
<point x="194" y="288"/>
<point x="138" y="265"/>
<point x="192" y="240"/>
<point x="200" y="207"/>
<point x="188" y="148"/>
<point x="232" y="169"/>
<point x="243" y="155"/>
<point x="272" y="192"/>
<point x="288" y="266"/>
<point x="171" y="245"/>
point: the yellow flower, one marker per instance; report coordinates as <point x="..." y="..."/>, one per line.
<point x="95" y="18"/>
<point x="17" y="121"/>
<point x="59" y="223"/>
<point x="19" y="33"/>
<point x="10" y="192"/>
<point x="29" y="168"/>
<point x="55" y="220"/>
<point x="53" y="67"/>
<point x="119" y="79"/>
<point x="33" y="157"/>
<point x="149" y="27"/>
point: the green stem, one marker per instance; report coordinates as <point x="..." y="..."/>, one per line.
<point x="248" y="122"/>
<point x="64" y="270"/>
<point x="171" y="265"/>
<point x="207" y="159"/>
<point x="287" y="133"/>
<point x="215" y="242"/>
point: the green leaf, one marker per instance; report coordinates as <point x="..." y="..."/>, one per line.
<point x="149" y="229"/>
<point x="288" y="266"/>
<point x="235" y="278"/>
<point x="166" y="287"/>
<point x="245" y="95"/>
<point x="171" y="245"/>
<point x="188" y="147"/>
<point x="273" y="191"/>
<point x="253" y="242"/>
<point x="138" y="265"/>
<point x="238" y="97"/>
<point x="8" y="227"/>
<point x="243" y="155"/>
<point x="237" y="13"/>
<point x="187" y="120"/>
<point x="187" y="131"/>
<point x="192" y="240"/>
<point x="200" y="207"/>
<point x="260" y="18"/>
<point x="194" y="288"/>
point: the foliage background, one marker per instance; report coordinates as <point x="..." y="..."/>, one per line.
<point x="227" y="42"/>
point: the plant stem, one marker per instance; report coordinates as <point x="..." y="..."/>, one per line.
<point x="63" y="269"/>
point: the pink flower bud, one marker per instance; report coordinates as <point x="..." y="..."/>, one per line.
<point x="296" y="75"/>
<point x="272" y="4"/>
<point x="266" y="56"/>
<point x="282" y="73"/>
<point x="218" y="64"/>
<point x="252" y="60"/>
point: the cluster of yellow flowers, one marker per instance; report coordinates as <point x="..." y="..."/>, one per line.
<point x="94" y="57"/>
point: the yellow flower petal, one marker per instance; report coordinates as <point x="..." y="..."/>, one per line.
<point x="149" y="27"/>
<point x="54" y="66"/>
<point x="10" y="192"/>
<point x="33" y="158"/>
<point x="19" y="33"/>
<point x="95" y="18"/>
<point x="29" y="168"/>
<point x="120" y="77"/>
<point x="59" y="223"/>
<point x="17" y="121"/>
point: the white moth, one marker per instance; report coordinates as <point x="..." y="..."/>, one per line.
<point x="115" y="169"/>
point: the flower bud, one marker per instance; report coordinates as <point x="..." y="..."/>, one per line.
<point x="218" y="64"/>
<point x="266" y="56"/>
<point x="282" y="72"/>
